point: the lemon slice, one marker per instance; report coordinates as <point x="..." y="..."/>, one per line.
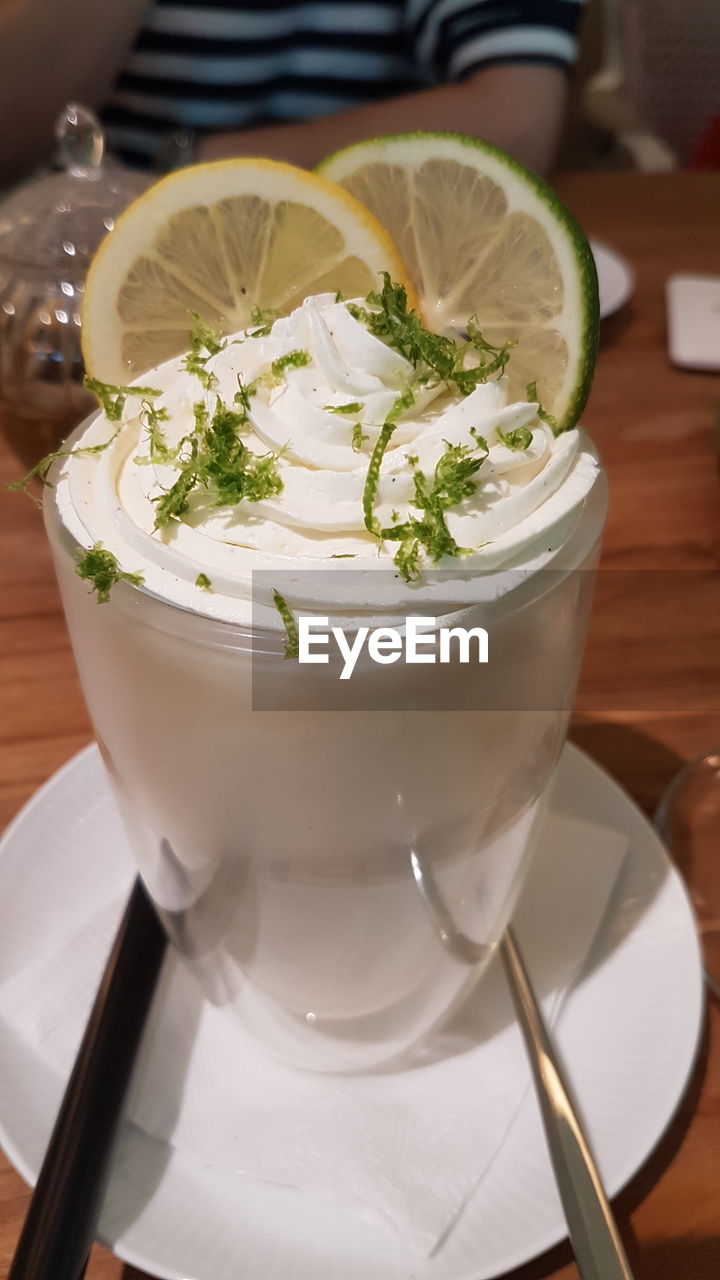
<point x="219" y="239"/>
<point x="483" y="236"/>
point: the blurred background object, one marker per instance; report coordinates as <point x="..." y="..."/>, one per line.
<point x="49" y="230"/>
<point x="657" y="90"/>
<point x="188" y="81"/>
<point x="301" y="79"/>
<point x="291" y="81"/>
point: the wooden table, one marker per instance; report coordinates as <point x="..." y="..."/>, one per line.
<point x="655" y="427"/>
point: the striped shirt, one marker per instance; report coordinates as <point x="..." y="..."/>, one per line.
<point x="212" y="65"/>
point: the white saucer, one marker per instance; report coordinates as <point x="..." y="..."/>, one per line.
<point x="615" y="278"/>
<point x="628" y="1035"/>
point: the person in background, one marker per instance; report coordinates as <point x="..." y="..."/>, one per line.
<point x="289" y="79"/>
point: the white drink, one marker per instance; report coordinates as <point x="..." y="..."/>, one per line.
<point x="278" y="844"/>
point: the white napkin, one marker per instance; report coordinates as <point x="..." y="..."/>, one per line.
<point x="406" y="1147"/>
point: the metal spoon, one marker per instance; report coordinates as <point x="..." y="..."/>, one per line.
<point x="593" y="1232"/>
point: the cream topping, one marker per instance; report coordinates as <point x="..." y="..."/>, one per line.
<point x="522" y="507"/>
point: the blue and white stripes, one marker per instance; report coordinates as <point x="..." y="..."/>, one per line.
<point x="224" y="64"/>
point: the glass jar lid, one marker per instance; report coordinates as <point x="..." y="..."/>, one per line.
<point x="56" y="222"/>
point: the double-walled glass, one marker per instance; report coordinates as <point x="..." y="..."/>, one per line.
<point x="282" y="846"/>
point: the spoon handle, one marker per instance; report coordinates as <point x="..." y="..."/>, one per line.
<point x="594" y="1236"/>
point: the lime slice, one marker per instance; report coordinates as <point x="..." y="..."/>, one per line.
<point x="219" y="239"/>
<point x="482" y="236"/>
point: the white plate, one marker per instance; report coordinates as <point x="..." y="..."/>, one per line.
<point x="628" y="1035"/>
<point x="615" y="278"/>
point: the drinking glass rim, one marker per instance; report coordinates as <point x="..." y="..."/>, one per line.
<point x="140" y="598"/>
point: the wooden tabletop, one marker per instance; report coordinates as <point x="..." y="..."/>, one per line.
<point x="656" y="428"/>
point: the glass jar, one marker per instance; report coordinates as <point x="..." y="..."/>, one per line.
<point x="49" y="230"/>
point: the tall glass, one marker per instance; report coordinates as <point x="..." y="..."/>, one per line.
<point x="278" y="844"/>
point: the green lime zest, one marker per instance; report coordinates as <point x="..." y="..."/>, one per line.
<point x="292" y="647"/>
<point x="490" y="359"/>
<point x="101" y="569"/>
<point x="404" y="401"/>
<point x="453" y="481"/>
<point x="172" y="504"/>
<point x="41" y="468"/>
<point x="205" y="341"/>
<point x="263" y="318"/>
<point x="518" y="439"/>
<point x="203" y="582"/>
<point x="435" y="357"/>
<point x="244" y="394"/>
<point x="407" y="559"/>
<point x="455" y="471"/>
<point x="372" y="479"/>
<point x="354" y="407"/>
<point x="358" y="437"/>
<point x="272" y="375"/>
<point x="291" y="360"/>
<point x="480" y="441"/>
<point x="159" y="452"/>
<point x="112" y="399"/>
<point x="531" y="393"/>
<point x="400" y="328"/>
<point x="213" y="458"/>
<point x="261" y="478"/>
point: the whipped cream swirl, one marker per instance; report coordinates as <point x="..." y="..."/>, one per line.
<point x="322" y="419"/>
